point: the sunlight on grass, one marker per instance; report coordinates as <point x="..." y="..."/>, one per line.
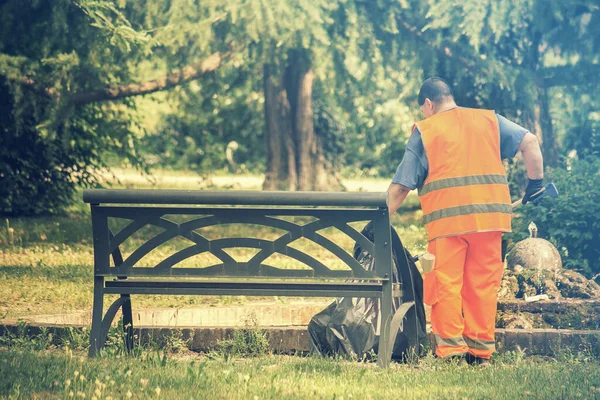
<point x="62" y="373"/>
<point x="46" y="263"/>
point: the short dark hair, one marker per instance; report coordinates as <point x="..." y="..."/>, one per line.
<point x="436" y="90"/>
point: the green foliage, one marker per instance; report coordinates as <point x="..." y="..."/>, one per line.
<point x="206" y="118"/>
<point x="25" y="337"/>
<point x="22" y="338"/>
<point x="368" y="58"/>
<point x="570" y="221"/>
<point x="370" y="83"/>
<point x="579" y="120"/>
<point x="250" y="341"/>
<point x="516" y="57"/>
<point x="42" y="165"/>
<point x="355" y="82"/>
<point x="49" y="146"/>
<point x="107" y="17"/>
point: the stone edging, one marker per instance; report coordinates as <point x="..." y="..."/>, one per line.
<point x="296" y="339"/>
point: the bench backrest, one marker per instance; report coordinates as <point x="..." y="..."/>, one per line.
<point x="204" y="209"/>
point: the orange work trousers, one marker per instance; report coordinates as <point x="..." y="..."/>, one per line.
<point x="462" y="291"/>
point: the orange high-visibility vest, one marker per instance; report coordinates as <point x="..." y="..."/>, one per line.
<point x="466" y="189"/>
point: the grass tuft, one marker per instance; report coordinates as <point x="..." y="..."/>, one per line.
<point x="249" y="341"/>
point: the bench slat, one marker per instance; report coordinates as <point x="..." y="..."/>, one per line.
<point x="341" y="214"/>
<point x="302" y="289"/>
<point x="235" y="197"/>
<point x="217" y="270"/>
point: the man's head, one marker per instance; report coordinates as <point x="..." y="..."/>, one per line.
<point x="435" y="95"/>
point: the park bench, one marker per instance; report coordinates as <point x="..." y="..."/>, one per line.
<point x="183" y="214"/>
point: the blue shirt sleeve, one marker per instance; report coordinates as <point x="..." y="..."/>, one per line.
<point x="412" y="170"/>
<point x="414" y="167"/>
<point x="511" y="136"/>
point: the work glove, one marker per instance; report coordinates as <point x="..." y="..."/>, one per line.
<point x="533" y="186"/>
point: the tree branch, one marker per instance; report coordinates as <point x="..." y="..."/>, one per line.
<point x="30" y="84"/>
<point x="184" y="75"/>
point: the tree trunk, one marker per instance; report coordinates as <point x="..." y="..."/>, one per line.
<point x="539" y="117"/>
<point x="295" y="157"/>
<point x="539" y="121"/>
<point x="299" y="80"/>
<point x="281" y="155"/>
<point x="549" y="145"/>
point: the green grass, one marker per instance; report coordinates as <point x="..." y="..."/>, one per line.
<point x="46" y="267"/>
<point x="55" y="365"/>
<point x="46" y="262"/>
<point x="62" y="374"/>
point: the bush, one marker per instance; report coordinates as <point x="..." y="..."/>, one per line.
<point x="32" y="181"/>
<point x="571" y="221"/>
<point x="41" y="170"/>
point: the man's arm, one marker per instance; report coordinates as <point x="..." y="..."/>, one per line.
<point x="534" y="163"/>
<point x="515" y="138"/>
<point x="532" y="156"/>
<point x="396" y="195"/>
<point x="411" y="172"/>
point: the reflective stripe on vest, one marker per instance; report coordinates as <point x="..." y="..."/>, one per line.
<point x="465" y="210"/>
<point x="463" y="181"/>
<point x="466" y="189"/>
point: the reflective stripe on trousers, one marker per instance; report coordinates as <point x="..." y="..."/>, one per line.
<point x="460" y="345"/>
<point x="449" y="346"/>
<point x="467" y="274"/>
<point x="480" y="344"/>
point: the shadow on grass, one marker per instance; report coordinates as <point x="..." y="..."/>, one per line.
<point x="72" y="273"/>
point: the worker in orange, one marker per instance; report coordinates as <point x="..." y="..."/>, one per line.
<point x="454" y="159"/>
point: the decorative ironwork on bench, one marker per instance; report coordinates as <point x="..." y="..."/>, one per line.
<point x="204" y="209"/>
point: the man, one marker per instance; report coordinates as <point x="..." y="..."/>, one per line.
<point x="454" y="158"/>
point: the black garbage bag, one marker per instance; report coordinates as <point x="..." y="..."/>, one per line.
<point x="350" y="326"/>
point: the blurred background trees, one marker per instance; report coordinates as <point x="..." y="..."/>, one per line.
<point x="51" y="51"/>
<point x="304" y="92"/>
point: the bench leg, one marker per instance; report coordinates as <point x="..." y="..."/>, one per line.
<point x="385" y="351"/>
<point x="96" y="340"/>
<point x="110" y="316"/>
<point x="398" y="321"/>
<point x="127" y="322"/>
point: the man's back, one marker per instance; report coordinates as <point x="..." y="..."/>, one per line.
<point x="461" y="142"/>
<point x="466" y="188"/>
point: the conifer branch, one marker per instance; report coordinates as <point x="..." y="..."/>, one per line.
<point x="184" y="75"/>
<point x="115" y="92"/>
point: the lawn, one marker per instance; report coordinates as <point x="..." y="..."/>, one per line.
<point x="46" y="267"/>
<point x="62" y="374"/>
<point x="46" y="262"/>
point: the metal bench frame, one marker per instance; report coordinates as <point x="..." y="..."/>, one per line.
<point x="149" y="207"/>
